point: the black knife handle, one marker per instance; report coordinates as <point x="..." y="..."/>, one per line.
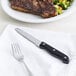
<point x="54" y="52"/>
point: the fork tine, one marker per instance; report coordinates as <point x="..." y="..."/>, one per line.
<point x="13" y="49"/>
<point x="18" y="48"/>
<point x="17" y="51"/>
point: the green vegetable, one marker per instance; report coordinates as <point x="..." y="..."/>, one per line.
<point x="62" y="5"/>
<point x="58" y="9"/>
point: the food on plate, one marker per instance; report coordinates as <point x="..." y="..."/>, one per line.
<point x="62" y="5"/>
<point x="43" y="8"/>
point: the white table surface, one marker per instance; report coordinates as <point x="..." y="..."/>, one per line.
<point x="67" y="24"/>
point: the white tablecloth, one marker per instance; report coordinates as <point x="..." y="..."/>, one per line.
<point x="38" y="61"/>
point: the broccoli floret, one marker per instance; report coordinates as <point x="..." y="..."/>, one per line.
<point x="59" y="9"/>
<point x="63" y="3"/>
<point x="55" y="1"/>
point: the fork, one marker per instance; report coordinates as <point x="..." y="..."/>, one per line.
<point x="20" y="57"/>
<point x="17" y="54"/>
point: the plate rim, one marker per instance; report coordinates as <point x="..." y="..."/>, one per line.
<point x="67" y="13"/>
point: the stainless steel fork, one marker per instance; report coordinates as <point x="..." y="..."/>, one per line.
<point x="17" y="54"/>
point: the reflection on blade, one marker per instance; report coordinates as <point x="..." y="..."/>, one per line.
<point x="28" y="36"/>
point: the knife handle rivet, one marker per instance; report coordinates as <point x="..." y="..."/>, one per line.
<point x="65" y="57"/>
<point x="44" y="44"/>
<point x="54" y="50"/>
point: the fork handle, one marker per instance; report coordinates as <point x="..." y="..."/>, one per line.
<point x="27" y="68"/>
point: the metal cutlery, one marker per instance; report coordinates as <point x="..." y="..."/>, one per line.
<point x="17" y="54"/>
<point x="51" y="50"/>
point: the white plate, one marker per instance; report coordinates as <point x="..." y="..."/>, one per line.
<point x="33" y="18"/>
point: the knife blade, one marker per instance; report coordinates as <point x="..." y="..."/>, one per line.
<point x="43" y="45"/>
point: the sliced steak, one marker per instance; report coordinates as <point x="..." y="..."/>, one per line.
<point x="47" y="7"/>
<point x="44" y="8"/>
<point x="28" y="6"/>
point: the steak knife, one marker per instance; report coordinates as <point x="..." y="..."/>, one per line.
<point x="43" y="45"/>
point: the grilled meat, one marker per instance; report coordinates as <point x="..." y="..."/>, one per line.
<point x="47" y="8"/>
<point x="44" y="8"/>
